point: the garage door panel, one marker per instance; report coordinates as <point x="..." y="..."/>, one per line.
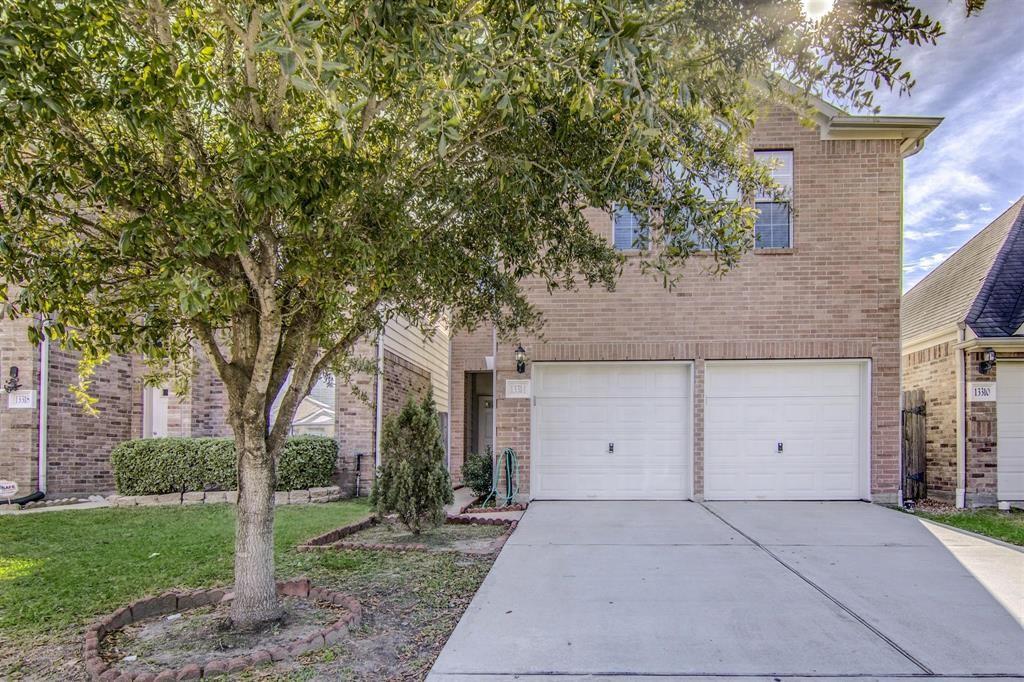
<point x="643" y="408"/>
<point x="1010" y="431"/>
<point x="773" y="380"/>
<point x="813" y="409"/>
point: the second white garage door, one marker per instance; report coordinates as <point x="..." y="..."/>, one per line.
<point x="791" y="430"/>
<point x="1010" y="431"/>
<point x="611" y="431"/>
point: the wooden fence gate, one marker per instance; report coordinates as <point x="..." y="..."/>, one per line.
<point x="914" y="464"/>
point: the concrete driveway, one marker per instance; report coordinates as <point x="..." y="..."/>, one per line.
<point x="629" y="590"/>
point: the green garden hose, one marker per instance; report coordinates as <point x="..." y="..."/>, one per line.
<point x="510" y="463"/>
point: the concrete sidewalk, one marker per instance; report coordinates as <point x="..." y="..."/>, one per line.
<point x="773" y="589"/>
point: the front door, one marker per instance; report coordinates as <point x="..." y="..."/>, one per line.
<point x="485" y="423"/>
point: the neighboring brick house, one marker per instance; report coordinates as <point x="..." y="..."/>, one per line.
<point x="780" y="380"/>
<point x="963" y="344"/>
<point x="76" y="446"/>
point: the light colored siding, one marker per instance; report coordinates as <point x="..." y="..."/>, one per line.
<point x="430" y="354"/>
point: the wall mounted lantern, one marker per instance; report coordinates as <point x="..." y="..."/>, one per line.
<point x="988" y="361"/>
<point x="12" y="384"/>
<point x="520" y="359"/>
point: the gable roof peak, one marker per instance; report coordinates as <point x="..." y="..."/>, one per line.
<point x="975" y="283"/>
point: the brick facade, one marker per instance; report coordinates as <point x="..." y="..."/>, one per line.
<point x="18" y="427"/>
<point x="834" y="294"/>
<point x="79" y="444"/>
<point x="933" y="370"/>
<point x="356" y="416"/>
<point x="981" y="445"/>
<point x="402" y="380"/>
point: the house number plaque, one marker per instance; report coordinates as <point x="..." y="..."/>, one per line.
<point x="517" y="388"/>
<point x="981" y="392"/>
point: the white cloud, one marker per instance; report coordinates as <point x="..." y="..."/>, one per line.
<point x="915" y="236"/>
<point x="927" y="263"/>
<point x="984" y="207"/>
<point x="961" y="227"/>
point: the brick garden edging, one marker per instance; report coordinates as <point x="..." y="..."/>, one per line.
<point x="335" y="539"/>
<point x="173" y="602"/>
<point x="282" y="497"/>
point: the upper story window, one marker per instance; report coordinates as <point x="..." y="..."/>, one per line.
<point x="629" y="232"/>
<point x="774" y="226"/>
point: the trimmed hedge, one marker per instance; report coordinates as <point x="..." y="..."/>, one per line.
<point x="154" y="466"/>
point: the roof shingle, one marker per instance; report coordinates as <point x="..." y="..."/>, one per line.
<point x="981" y="284"/>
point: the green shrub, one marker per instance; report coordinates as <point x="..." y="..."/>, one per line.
<point x="412" y="481"/>
<point x="478" y="472"/>
<point x="153" y="466"/>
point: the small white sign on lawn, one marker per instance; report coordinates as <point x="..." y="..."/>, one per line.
<point x="8" y="489"/>
<point x="981" y="392"/>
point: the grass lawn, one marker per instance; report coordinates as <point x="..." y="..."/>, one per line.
<point x="1005" y="526"/>
<point x="59" y="570"/>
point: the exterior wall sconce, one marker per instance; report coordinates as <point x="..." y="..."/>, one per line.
<point x="988" y="361"/>
<point x="12" y="384"/>
<point x="520" y="359"/>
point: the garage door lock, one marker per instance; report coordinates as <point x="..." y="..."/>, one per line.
<point x="611" y="447"/>
<point x="778" y="447"/>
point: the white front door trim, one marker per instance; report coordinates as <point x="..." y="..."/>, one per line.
<point x="688" y="442"/>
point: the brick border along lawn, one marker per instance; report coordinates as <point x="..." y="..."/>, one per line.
<point x="61" y="570"/>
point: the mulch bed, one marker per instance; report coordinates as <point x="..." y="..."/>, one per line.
<point x="386" y="535"/>
<point x="476" y="507"/>
<point x="158" y="640"/>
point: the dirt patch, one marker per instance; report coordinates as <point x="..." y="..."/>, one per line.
<point x="468" y="538"/>
<point x="203" y="634"/>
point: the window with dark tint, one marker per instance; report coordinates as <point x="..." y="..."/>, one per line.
<point x="774" y="226"/>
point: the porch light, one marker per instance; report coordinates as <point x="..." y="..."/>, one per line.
<point x="520" y="359"/>
<point x="988" y="361"/>
<point x="12" y="384"/>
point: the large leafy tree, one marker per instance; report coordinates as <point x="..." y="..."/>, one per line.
<point x="273" y="181"/>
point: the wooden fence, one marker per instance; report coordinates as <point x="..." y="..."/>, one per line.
<point x="915" y="484"/>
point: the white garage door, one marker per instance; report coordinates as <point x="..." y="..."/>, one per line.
<point x="611" y="431"/>
<point x="1010" y="430"/>
<point x="785" y="430"/>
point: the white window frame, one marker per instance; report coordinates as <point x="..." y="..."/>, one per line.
<point x="786" y="180"/>
<point x="633" y="248"/>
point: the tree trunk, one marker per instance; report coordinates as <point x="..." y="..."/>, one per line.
<point x="255" y="603"/>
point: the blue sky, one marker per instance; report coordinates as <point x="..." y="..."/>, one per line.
<point x="972" y="166"/>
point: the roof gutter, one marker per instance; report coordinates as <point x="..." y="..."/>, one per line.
<point x="997" y="343"/>
<point x="911" y="131"/>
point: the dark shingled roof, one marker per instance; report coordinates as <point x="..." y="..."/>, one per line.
<point x="982" y="284"/>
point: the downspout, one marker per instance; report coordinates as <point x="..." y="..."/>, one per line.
<point x="961" y="422"/>
<point x="494" y="392"/>
<point x="44" y="400"/>
<point x="448" y="449"/>
<point x="379" y="401"/>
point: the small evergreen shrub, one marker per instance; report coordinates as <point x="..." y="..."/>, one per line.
<point x="154" y="466"/>
<point x="478" y="472"/>
<point x="412" y="481"/>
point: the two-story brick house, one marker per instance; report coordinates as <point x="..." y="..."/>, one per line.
<point x="780" y="380"/>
